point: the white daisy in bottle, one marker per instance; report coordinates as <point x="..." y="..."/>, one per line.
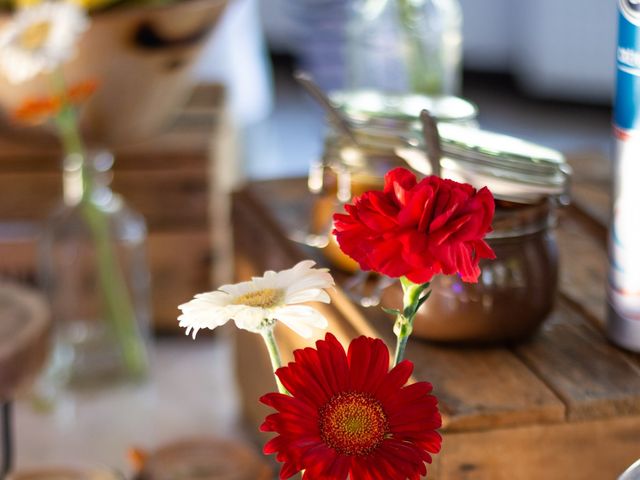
<point x="257" y="304"/>
<point x="40" y="38"/>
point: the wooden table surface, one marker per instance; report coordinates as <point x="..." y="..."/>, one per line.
<point x="565" y="404"/>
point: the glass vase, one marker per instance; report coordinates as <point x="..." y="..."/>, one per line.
<point x="92" y="265"/>
<point x="405" y="46"/>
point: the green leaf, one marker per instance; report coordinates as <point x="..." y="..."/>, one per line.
<point x="392" y="311"/>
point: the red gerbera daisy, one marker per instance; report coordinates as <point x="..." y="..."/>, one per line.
<point x="348" y="415"/>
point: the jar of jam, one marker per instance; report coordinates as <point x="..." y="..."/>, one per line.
<point x="516" y="291"/>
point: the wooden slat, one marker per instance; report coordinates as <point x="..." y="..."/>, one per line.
<point x="583" y="267"/>
<point x="168" y="199"/>
<point x="591" y="185"/>
<point x="594" y="379"/>
<point x="576" y="451"/>
<point x="478" y="388"/>
<point x="180" y="265"/>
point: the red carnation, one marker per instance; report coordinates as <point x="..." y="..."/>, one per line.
<point x="418" y="229"/>
<point x="349" y="415"/>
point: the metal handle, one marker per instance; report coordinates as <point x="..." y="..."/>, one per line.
<point x="335" y="116"/>
<point x="432" y="141"/>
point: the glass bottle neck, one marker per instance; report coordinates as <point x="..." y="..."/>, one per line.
<point x="87" y="178"/>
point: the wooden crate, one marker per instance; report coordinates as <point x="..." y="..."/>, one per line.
<point x="564" y="405"/>
<point x="169" y="179"/>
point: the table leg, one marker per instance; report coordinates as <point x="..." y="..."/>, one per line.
<point x="7" y="438"/>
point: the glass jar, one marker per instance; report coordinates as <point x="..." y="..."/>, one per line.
<point x="405" y="46"/>
<point x="385" y="127"/>
<point x="92" y="266"/>
<point x="516" y="291"/>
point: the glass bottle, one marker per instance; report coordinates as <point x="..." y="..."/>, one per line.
<point x="92" y="265"/>
<point x="405" y="46"/>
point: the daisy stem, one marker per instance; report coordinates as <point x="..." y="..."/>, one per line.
<point x="411" y="301"/>
<point x="274" y="355"/>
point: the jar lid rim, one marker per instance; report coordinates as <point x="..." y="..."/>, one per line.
<point x="372" y="107"/>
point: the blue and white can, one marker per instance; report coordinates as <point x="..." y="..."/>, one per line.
<point x="623" y="319"/>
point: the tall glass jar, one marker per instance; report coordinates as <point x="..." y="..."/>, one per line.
<point x="405" y="46"/>
<point x="92" y="265"/>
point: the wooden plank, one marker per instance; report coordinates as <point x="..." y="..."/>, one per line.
<point x="168" y="199"/>
<point x="576" y="451"/>
<point x="180" y="264"/>
<point x="591" y="185"/>
<point x="478" y="388"/>
<point x="583" y="267"/>
<point x="594" y="379"/>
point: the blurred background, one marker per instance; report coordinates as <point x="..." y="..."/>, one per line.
<point x="540" y="70"/>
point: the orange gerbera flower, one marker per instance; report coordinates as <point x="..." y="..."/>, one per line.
<point x="34" y="111"/>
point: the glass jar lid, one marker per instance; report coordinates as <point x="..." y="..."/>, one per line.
<point x="512" y="168"/>
<point x="376" y="108"/>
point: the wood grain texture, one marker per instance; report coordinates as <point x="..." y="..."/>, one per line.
<point x="593" y="378"/>
<point x="577" y="451"/>
<point x="168" y="199"/>
<point x="583" y="267"/>
<point x="591" y="185"/>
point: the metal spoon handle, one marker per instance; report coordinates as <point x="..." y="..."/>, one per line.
<point x="432" y="141"/>
<point x="335" y="116"/>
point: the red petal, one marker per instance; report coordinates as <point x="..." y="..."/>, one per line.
<point x="368" y="363"/>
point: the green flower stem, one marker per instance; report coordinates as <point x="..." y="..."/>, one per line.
<point x="117" y="302"/>
<point x="424" y="75"/>
<point x="411" y="301"/>
<point x="274" y="355"/>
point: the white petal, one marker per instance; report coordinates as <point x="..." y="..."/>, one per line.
<point x="249" y="318"/>
<point x="300" y="318"/>
<point x="301" y="283"/>
<point x="215" y="298"/>
<point x="198" y="314"/>
<point x="238" y="289"/>
<point x="312" y="295"/>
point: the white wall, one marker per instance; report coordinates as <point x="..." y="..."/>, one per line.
<point x="556" y="48"/>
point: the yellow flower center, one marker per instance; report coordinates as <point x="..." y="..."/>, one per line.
<point x="353" y="423"/>
<point x="265" y="298"/>
<point x="34" y="36"/>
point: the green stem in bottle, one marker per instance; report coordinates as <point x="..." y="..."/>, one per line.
<point x="274" y="355"/>
<point x="117" y="302"/>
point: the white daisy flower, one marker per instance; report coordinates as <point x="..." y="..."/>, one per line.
<point x="257" y="304"/>
<point x="40" y="38"/>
